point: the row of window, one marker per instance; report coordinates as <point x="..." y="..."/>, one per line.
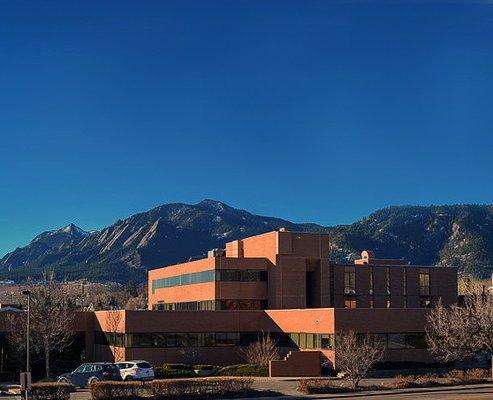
<point x="291" y="340"/>
<point x="350" y="281"/>
<point x="223" y="275"/>
<point x="207" y="305"/>
<point x="351" y="302"/>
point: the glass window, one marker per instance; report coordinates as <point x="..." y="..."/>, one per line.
<point x="388" y="280"/>
<point x="371" y="280"/>
<point x="185" y="279"/>
<point x="327" y="341"/>
<point x="80" y="369"/>
<point x="350" y="303"/>
<point x="425" y="302"/>
<point x="302" y="342"/>
<point x="424" y="282"/>
<point x="416" y="341"/>
<point x="396" y="341"/>
<point x="380" y="340"/>
<point x="310" y="341"/>
<point x="349" y="280"/>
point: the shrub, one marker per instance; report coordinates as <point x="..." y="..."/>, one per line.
<point x="403" y="382"/>
<point x="173" y="371"/>
<point x="477" y="375"/>
<point x="110" y="390"/>
<point x="198" y="388"/>
<point x="427" y="380"/>
<point x="244" y="370"/>
<point x="50" y="391"/>
<point x="203" y="367"/>
<point x="319" y="386"/>
<point x="455" y="376"/>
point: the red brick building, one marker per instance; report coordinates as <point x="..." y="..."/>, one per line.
<point x="281" y="283"/>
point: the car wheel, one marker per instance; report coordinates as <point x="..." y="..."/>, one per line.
<point x="93" y="380"/>
<point x="63" y="380"/>
<point x="129" y="378"/>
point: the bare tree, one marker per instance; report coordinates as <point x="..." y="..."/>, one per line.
<point x="262" y="351"/>
<point x="356" y="355"/>
<point x="136" y="303"/>
<point x="113" y="321"/>
<point x="51" y="320"/>
<point x="462" y="331"/>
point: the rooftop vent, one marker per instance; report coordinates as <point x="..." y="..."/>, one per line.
<point x="216" y="253"/>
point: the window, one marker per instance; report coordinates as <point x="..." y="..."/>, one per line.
<point x="185" y="279"/>
<point x="388" y="280"/>
<point x="380" y="340"/>
<point x="371" y="280"/>
<point x="327" y="341"/>
<point x="424" y="282"/>
<point x="349" y="280"/>
<point x="225" y="275"/>
<point x="425" y="302"/>
<point x="350" y="303"/>
<point x="396" y="341"/>
<point x="416" y="341"/>
<point x="404" y="282"/>
<point x="234" y="275"/>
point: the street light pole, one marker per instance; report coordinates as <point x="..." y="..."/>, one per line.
<point x="28" y="294"/>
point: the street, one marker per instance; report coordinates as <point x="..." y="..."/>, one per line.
<point x="471" y="392"/>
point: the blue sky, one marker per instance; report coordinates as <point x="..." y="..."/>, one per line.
<point x="308" y="110"/>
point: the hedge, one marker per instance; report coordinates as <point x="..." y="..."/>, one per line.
<point x="244" y="370"/>
<point x="50" y="391"/>
<point x="171" y="389"/>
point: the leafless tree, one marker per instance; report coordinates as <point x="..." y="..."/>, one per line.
<point x="462" y="331"/>
<point x="51" y="320"/>
<point x="113" y="321"/>
<point x="356" y="355"/>
<point x="136" y="303"/>
<point x="262" y="351"/>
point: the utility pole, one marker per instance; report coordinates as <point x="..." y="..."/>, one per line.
<point x="28" y="331"/>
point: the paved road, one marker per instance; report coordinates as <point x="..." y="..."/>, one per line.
<point x="287" y="388"/>
<point x="477" y="392"/>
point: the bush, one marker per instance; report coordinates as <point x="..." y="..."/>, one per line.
<point x="173" y="371"/>
<point x="116" y="390"/>
<point x="455" y="376"/>
<point x="427" y="380"/>
<point x="244" y="370"/>
<point x="50" y="391"/>
<point x="171" y="389"/>
<point x="319" y="386"/>
<point x="199" y="388"/>
<point x="403" y="382"/>
<point x="477" y="375"/>
<point x="203" y="367"/>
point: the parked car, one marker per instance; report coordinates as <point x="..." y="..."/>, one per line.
<point x="89" y="373"/>
<point x="137" y="370"/>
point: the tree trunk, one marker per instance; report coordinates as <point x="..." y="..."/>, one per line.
<point x="47" y="362"/>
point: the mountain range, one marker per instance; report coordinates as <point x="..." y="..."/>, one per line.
<point x="455" y="235"/>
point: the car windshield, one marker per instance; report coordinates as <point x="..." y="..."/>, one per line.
<point x="143" y="365"/>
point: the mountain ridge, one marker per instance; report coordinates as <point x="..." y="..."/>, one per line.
<point x="457" y="235"/>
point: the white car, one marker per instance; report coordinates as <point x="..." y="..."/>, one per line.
<point x="136" y="370"/>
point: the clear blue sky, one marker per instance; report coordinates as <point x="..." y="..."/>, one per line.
<point x="308" y="110"/>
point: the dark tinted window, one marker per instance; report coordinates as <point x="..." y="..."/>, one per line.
<point x="143" y="365"/>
